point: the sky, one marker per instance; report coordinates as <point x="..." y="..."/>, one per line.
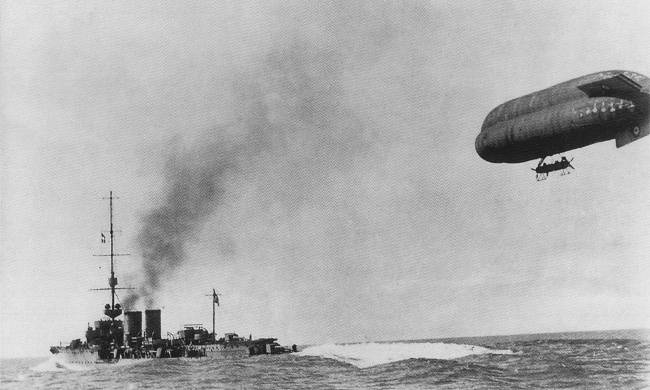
<point x="314" y="163"/>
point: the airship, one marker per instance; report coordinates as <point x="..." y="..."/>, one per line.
<point x="594" y="108"/>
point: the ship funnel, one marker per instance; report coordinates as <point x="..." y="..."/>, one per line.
<point x="132" y="326"/>
<point x="153" y="328"/>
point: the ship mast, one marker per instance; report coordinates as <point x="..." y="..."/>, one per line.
<point x="215" y="301"/>
<point x="113" y="280"/>
<point x="112" y="310"/>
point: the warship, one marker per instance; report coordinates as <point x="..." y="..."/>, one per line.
<point x="112" y="339"/>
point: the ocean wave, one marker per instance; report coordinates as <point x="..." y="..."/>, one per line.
<point x="371" y="354"/>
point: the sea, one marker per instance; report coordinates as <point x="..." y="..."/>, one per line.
<point x="577" y="360"/>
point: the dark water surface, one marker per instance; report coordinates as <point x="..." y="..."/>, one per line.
<point x="585" y="360"/>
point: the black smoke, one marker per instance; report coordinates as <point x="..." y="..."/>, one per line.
<point x="301" y="120"/>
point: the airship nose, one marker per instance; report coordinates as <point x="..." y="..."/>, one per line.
<point x="483" y="148"/>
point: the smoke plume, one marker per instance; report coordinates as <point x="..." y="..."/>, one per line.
<point x="302" y="121"/>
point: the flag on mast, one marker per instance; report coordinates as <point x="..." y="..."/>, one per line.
<point x="103" y="238"/>
<point x="215" y="297"/>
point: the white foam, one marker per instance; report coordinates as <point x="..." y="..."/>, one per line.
<point x="54" y="363"/>
<point x="372" y="354"/>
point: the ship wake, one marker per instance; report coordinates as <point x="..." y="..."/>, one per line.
<point x="371" y="354"/>
<point x="56" y="363"/>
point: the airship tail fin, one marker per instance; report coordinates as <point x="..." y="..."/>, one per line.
<point x="632" y="134"/>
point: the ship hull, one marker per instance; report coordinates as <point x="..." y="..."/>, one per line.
<point x="90" y="356"/>
<point x="85" y="356"/>
<point x="218" y="351"/>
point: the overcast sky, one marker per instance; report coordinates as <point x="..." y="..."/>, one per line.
<point x="314" y="163"/>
